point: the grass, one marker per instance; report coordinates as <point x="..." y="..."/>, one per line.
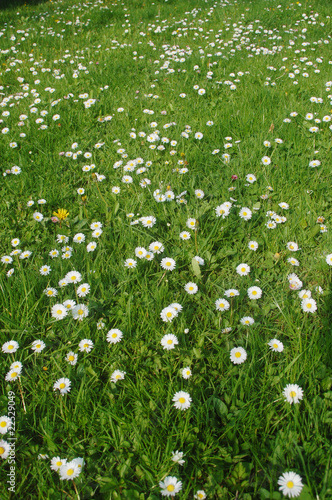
<point x="239" y="434"/>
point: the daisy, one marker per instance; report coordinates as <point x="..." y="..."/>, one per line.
<point x="293" y="262"/>
<point x="38" y="216"/>
<point x="191" y="288"/>
<point x="50" y="292"/>
<point x="328" y="259"/>
<point x="79" y="238"/>
<point x="177" y="457"/>
<point x="91" y="247"/>
<point x="6" y="259"/>
<point x="38" y="345"/>
<point x="17" y="366"/>
<point x="222" y="304"/>
<point x="253" y="245"/>
<point x="200" y="495"/>
<point x="168" y="314"/>
<point x="57" y="462"/>
<point x="243" y="269"/>
<point x="305" y="294"/>
<point x="186" y="372"/>
<point x="309" y="305"/>
<point x="12" y="375"/>
<point x="5" y="424"/>
<point x="185" y="235"/>
<point x="45" y="270"/>
<point x="97" y="233"/>
<point x="254" y="292"/>
<point x="222" y="210"/>
<point x="251" y="178"/>
<point x="83" y="290"/>
<point x="69" y="470"/>
<point x="148" y="221"/>
<point x="10" y="346"/>
<point x="293" y="393"/>
<point x="156" y="247"/>
<point x="63" y="385"/>
<point x="86" y="345"/>
<point x="238" y="355"/>
<point x="191" y="223"/>
<point x="276" y="345"/>
<point x="199" y="193"/>
<point x="140" y="252"/>
<point x="168" y="263"/>
<point x="232" y="292"/>
<point x="182" y="400"/>
<point x="80" y="311"/>
<point x="292" y="246"/>
<point x="169" y="341"/>
<point x="15" y="242"/>
<point x="4" y="449"/>
<point x="114" y="336"/>
<point x="73" y="277"/>
<point x="266" y="160"/>
<point x="130" y="263"/>
<point x="71" y="357"/>
<point x="117" y="375"/>
<point x="54" y="253"/>
<point x="290" y="484"/>
<point x="170" y="486"/>
<point x="58" y="311"/>
<point x="69" y="304"/>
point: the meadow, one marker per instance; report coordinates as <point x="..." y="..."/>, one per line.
<point x="166" y="255"/>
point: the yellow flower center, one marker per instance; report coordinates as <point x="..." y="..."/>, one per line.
<point x="118" y="376"/>
<point x="243" y="269"/>
<point x="275" y="346"/>
<point x="290" y="484"/>
<point x="86" y="345"/>
<point x="292" y="394"/>
<point x="188" y="372"/>
<point x="59" y="311"/>
<point x="38" y="346"/>
<point x="169" y="314"/>
<point x="71" y="358"/>
<point x="2" y="450"/>
<point x="191" y="288"/>
<point x="244" y="213"/>
<point x="62" y="385"/>
<point x="309" y="306"/>
<point x="170" y="487"/>
<point x="182" y="400"/>
<point x="59" y="464"/>
<point x="10" y="347"/>
<point x="50" y="292"/>
<point x="254" y="292"/>
<point x="3" y="424"/>
<point x="238" y="354"/>
<point x="80" y="312"/>
<point x="13" y="375"/>
<point x="70" y="472"/>
<point x="169" y="341"/>
<point x="83" y="289"/>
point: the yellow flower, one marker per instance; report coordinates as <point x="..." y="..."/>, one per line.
<point x="61" y="214"/>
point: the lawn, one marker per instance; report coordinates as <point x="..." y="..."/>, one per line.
<point x="166" y="255"/>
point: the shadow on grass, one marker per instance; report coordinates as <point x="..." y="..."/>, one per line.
<point x="11" y="4"/>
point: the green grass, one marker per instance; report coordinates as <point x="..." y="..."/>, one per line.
<point x="239" y="434"/>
